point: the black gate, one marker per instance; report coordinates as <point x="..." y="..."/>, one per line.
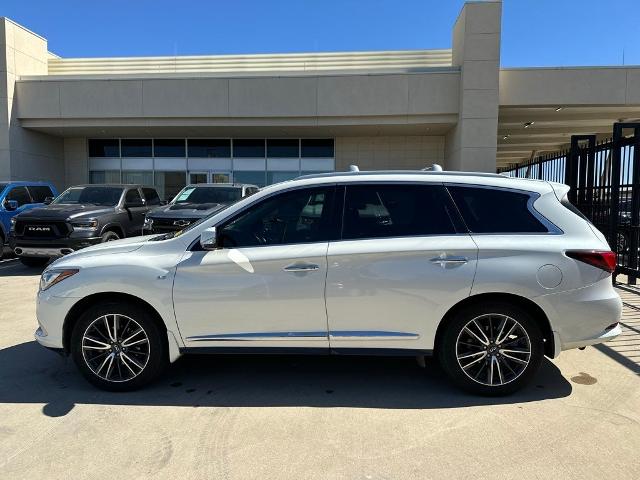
<point x="605" y="185"/>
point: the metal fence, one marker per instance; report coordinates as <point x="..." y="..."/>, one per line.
<point x="605" y="186"/>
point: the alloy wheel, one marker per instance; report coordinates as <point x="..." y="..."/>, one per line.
<point x="493" y="349"/>
<point x="115" y="348"/>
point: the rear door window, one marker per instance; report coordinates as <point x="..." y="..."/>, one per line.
<point x="493" y="210"/>
<point x="396" y="210"/>
<point x="40" y="192"/>
<point x="151" y="196"/>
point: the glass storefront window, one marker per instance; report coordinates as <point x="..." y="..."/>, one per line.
<point x="169" y="184"/>
<point x="137" y="177"/>
<point x="254" y="178"/>
<point x="248" y="148"/>
<point x="107" y="147"/>
<point x="134" y="147"/>
<point x="209" y="148"/>
<point x="277" y="177"/>
<point x="169" y="147"/>
<point x="317" y="148"/>
<point x="283" y="148"/>
<point x="104" y="176"/>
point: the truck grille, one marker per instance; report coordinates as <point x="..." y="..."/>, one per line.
<point x="41" y="229"/>
<point x="161" y="225"/>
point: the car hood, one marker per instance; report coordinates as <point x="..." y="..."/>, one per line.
<point x="125" y="245"/>
<point x="186" y="210"/>
<point x="65" y="211"/>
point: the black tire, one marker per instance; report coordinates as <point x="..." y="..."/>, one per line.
<point x="34" y="262"/>
<point x="528" y="338"/>
<point x="109" y="236"/>
<point x="156" y="356"/>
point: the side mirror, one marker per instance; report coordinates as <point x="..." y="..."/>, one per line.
<point x="11" y="205"/>
<point x="48" y="200"/>
<point x="208" y="240"/>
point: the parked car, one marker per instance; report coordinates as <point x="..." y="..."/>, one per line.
<point x="485" y="272"/>
<point x="194" y="202"/>
<point x="16" y="197"/>
<point x="81" y="216"/>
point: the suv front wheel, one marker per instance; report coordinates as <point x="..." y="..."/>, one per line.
<point x="118" y="346"/>
<point x="491" y="349"/>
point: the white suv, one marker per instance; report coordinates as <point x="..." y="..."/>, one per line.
<point x="488" y="273"/>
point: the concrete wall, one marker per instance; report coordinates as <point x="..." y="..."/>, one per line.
<point x="472" y="144"/>
<point x="75" y="161"/>
<point x="24" y="154"/>
<point x="389" y="152"/>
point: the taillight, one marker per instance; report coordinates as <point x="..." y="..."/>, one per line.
<point x="604" y="260"/>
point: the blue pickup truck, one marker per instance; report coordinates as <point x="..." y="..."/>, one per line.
<point x="16" y="197"/>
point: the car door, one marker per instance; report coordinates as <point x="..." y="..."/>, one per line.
<point x="136" y="209"/>
<point x="403" y="260"/>
<point x="264" y="286"/>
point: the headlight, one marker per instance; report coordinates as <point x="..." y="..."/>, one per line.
<point x="148" y="223"/>
<point x="13" y="224"/>
<point x="90" y="224"/>
<point x="50" y="277"/>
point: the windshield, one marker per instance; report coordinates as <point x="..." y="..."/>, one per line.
<point x="107" y="196"/>
<point x="3" y="186"/>
<point x="200" y="195"/>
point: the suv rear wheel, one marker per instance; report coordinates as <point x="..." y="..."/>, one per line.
<point x="491" y="349"/>
<point x="118" y="346"/>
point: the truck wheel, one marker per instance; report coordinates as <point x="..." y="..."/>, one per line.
<point x="109" y="237"/>
<point x="34" y="262"/>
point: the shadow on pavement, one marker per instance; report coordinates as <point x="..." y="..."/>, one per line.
<point x="31" y="374"/>
<point x="13" y="268"/>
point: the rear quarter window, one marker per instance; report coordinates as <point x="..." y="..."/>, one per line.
<point x="491" y="210"/>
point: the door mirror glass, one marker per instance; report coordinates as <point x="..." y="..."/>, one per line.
<point x="47" y="200"/>
<point x="208" y="240"/>
<point x="11" y="205"/>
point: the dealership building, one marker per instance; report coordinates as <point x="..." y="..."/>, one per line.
<point x="266" y="118"/>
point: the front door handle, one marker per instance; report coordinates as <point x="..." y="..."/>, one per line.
<point x="445" y="260"/>
<point x="301" y="267"/>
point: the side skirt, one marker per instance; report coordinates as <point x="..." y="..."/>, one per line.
<point x="391" y="352"/>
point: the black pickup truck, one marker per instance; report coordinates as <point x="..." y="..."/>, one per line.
<point x="81" y="216"/>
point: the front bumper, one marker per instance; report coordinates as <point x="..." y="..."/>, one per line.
<point x="50" y="247"/>
<point x="51" y="312"/>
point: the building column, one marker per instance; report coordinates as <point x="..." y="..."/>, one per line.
<point x="24" y="154"/>
<point x="472" y="144"/>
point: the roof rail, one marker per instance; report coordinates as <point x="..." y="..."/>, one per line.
<point x="433" y="168"/>
<point x="353" y="168"/>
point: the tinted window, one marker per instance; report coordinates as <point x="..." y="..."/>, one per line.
<point x="209" y="148"/>
<point x="317" y="147"/>
<point x="133" y="196"/>
<point x="489" y="210"/>
<point x="199" y="195"/>
<point x="283" y="148"/>
<point x="20" y="195"/>
<point x="253" y="177"/>
<point x="109" y="147"/>
<point x="40" y="192"/>
<point x="300" y="216"/>
<point x="151" y="196"/>
<point x="136" y="147"/>
<point x="374" y="211"/>
<point x="3" y="186"/>
<point x="95" y="195"/>
<point x="168" y="147"/>
<point x="248" y="148"/>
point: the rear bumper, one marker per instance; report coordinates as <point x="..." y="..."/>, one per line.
<point x="583" y="317"/>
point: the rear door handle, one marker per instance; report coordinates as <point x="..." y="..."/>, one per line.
<point x="449" y="260"/>
<point x="301" y="267"/>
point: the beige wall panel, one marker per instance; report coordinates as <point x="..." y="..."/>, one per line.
<point x="434" y="93"/>
<point x="75" y="161"/>
<point x="363" y="95"/>
<point x="273" y="97"/>
<point x="482" y="46"/>
<point x="633" y="86"/>
<point x="483" y="17"/>
<point x="186" y="97"/>
<point x="38" y="99"/>
<point x="563" y="86"/>
<point x="101" y="98"/>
